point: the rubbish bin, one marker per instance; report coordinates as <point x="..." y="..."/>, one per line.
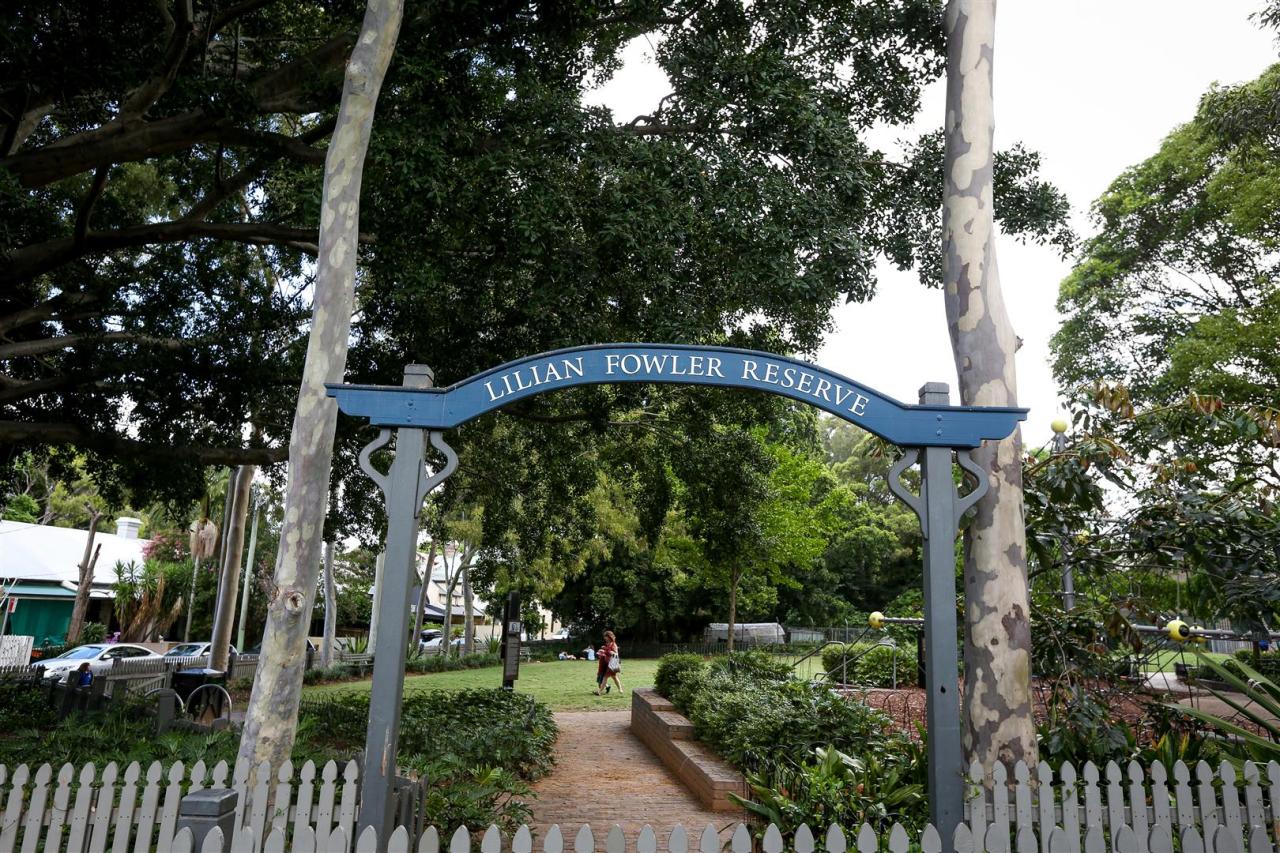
<point x="201" y="704"/>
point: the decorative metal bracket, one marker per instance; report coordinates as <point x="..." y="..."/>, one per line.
<point x="968" y="463"/>
<point x="910" y="455"/>
<point x="380" y="479"/>
<point x="426" y="481"/>
<point x="964" y="503"/>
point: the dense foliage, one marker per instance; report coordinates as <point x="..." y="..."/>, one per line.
<point x="475" y="749"/>
<point x="870" y="664"/>
<point x="800" y="743"/>
<point x="1168" y="354"/>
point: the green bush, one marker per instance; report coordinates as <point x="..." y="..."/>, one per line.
<point x="833" y="655"/>
<point x="675" y="670"/>
<point x="1268" y="663"/>
<point x="770" y="727"/>
<point x="476" y="749"/>
<point x="93" y="632"/>
<point x="876" y="668"/>
<point x="321" y="674"/>
<point x="24" y="704"/>
<point x="755" y="661"/>
<point x="869" y="665"/>
<point x="441" y="663"/>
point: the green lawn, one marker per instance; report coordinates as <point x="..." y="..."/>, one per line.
<point x="563" y="685"/>
<point x="1163" y="661"/>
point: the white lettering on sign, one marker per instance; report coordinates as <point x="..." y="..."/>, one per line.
<point x="647" y="365"/>
<point x="806" y="383"/>
<point x="664" y="365"/>
<point x="533" y="375"/>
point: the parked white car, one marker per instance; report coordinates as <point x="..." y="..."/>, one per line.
<point x="434" y="644"/>
<point x="192" y="650"/>
<point x="99" y="656"/>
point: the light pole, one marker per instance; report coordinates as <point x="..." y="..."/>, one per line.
<point x="1059" y="427"/>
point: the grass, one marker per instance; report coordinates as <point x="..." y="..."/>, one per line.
<point x="1163" y="661"/>
<point x="563" y="685"/>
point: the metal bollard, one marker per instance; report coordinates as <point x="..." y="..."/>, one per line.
<point x="203" y="810"/>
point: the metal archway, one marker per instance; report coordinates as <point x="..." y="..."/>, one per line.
<point x="930" y="433"/>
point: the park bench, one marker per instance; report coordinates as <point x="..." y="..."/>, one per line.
<point x="361" y="662"/>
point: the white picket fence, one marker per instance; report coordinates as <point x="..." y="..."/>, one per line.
<point x="1133" y="811"/>
<point x="15" y="649"/>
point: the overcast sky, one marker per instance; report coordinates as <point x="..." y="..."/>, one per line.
<point x="1093" y="85"/>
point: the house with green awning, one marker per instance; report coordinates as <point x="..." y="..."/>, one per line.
<point x="39" y="571"/>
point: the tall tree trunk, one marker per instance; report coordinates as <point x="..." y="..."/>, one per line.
<point x="271" y="718"/>
<point x="224" y="613"/>
<point x="451" y="583"/>
<point x="330" y="608"/>
<point x="997" y="638"/>
<point x="468" y="620"/>
<point x="422" y="595"/>
<point x="248" y="577"/>
<point x="87" y="563"/>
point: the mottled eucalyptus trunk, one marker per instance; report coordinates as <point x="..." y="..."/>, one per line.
<point x="997" y="639"/>
<point x="422" y="598"/>
<point x="86" y="567"/>
<point x="330" y="608"/>
<point x="229" y="580"/>
<point x="272" y="715"/>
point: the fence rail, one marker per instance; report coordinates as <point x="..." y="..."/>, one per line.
<point x="1190" y="810"/>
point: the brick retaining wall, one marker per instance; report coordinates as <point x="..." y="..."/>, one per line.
<point x="669" y="735"/>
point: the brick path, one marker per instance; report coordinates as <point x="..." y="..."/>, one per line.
<point x="604" y="776"/>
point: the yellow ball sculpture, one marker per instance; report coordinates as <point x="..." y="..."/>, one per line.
<point x="876" y="620"/>
<point x="1178" y="630"/>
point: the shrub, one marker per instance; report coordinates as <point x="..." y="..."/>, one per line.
<point x="674" y="671"/>
<point x="475" y="750"/>
<point x="771" y="728"/>
<point x="832" y="656"/>
<point x="23" y="704"/>
<point x="93" y="632"/>
<point x="876" y="668"/>
<point x="319" y="675"/>
<point x="441" y="663"/>
<point x="869" y="665"/>
<point x="755" y="661"/>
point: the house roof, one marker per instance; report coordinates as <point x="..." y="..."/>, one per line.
<point x="37" y="552"/>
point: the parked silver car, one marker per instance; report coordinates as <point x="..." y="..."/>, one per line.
<point x="191" y="650"/>
<point x="99" y="656"/>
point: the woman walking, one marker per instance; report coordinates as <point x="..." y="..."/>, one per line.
<point x="609" y="664"/>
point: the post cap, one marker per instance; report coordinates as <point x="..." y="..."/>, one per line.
<point x="419" y="376"/>
<point x="935" y="394"/>
<point x="208" y="803"/>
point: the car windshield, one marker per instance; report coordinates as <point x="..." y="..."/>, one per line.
<point x="182" y="651"/>
<point x="81" y="653"/>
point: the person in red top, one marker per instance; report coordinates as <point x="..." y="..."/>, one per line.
<point x="609" y="664"/>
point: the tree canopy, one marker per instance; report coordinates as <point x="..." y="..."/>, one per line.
<point x="160" y="178"/>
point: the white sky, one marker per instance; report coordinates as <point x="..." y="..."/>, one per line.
<point x="1094" y="86"/>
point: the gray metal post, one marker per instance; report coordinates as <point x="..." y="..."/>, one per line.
<point x="942" y="678"/>
<point x="404" y="501"/>
<point x="201" y="811"/>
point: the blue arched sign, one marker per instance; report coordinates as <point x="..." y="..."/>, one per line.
<point x="899" y="423"/>
<point x="931" y="433"/>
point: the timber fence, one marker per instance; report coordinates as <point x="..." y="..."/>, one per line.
<point x="1114" y="810"/>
